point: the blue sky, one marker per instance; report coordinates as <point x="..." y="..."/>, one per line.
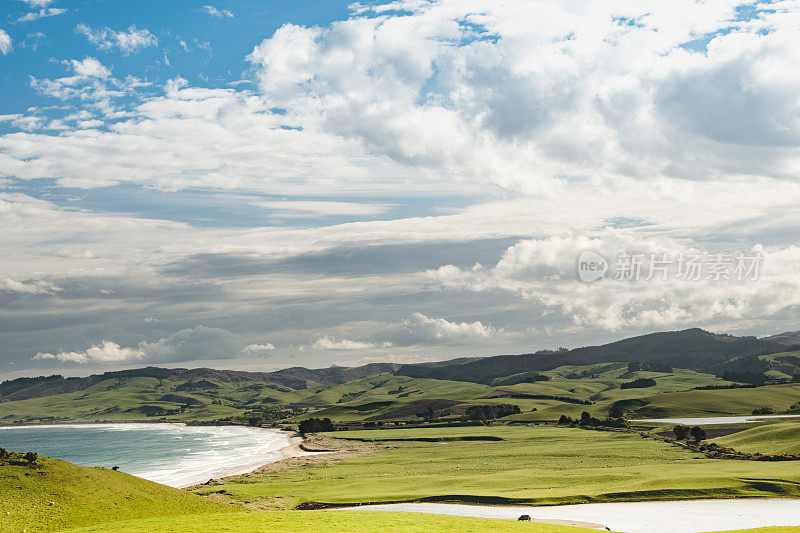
<point x="262" y="184"/>
<point x="218" y="44"/>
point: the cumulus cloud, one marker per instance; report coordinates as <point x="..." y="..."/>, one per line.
<point x="545" y="271"/>
<point x="184" y="345"/>
<point x="28" y="287"/>
<point x="196" y="343"/>
<point x="419" y="329"/>
<point x="255" y="348"/>
<point x="127" y="41"/>
<point x="243" y="145"/>
<point x="105" y="352"/>
<point x="331" y="343"/>
<point x="218" y="13"/>
<point x="5" y="42"/>
<point x="463" y="89"/>
<point x="42" y="13"/>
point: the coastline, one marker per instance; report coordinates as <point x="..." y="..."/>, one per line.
<point x="292" y="451"/>
<point x="243" y="455"/>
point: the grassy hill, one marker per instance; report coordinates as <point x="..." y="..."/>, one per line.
<point x="787" y="338"/>
<point x="55" y="495"/>
<point x="543" y="385"/>
<point x="691" y="348"/>
<point x="697" y="403"/>
<point x="782" y="437"/>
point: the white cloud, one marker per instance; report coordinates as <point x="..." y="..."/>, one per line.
<point x="218" y="13"/>
<point x="544" y="271"/>
<point x="5" y="42"/>
<point x="127" y="41"/>
<point x="331" y="343"/>
<point x="465" y="90"/>
<point x="42" y="13"/>
<point x="105" y="352"/>
<point x="289" y="208"/>
<point x="184" y="345"/>
<point x="419" y="329"/>
<point x="28" y="286"/>
<point x="37" y="3"/>
<point x="254" y="348"/>
<point x="191" y="344"/>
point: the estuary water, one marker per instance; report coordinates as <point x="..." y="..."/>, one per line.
<point x="689" y="516"/>
<point x="714" y="420"/>
<point x="171" y="454"/>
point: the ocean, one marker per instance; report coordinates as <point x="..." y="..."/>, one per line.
<point x="171" y="454"/>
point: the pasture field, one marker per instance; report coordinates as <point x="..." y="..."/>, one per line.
<point x="531" y="465"/>
<point x="774" y="438"/>
<point x="338" y="521"/>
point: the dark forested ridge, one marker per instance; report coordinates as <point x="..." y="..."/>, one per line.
<point x="692" y="348"/>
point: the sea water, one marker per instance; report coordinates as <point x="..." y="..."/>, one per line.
<point x="171" y="454"/>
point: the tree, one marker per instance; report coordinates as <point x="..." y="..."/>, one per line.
<point x="316" y="425"/>
<point x="697" y="433"/>
<point x="31" y="458"/>
<point x="681" y="432"/>
<point x="564" y="420"/>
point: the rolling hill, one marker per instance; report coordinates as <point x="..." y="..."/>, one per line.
<point x="648" y="369"/>
<point x="694" y="349"/>
<point x="53" y="495"/>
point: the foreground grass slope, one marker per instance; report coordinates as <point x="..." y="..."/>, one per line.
<point x="776" y="438"/>
<point x="531" y="465"/>
<point x="83" y="496"/>
<point x="339" y="521"/>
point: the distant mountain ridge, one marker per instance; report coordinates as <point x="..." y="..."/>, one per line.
<point x="295" y="377"/>
<point x="694" y="349"/>
<point x="787" y="338"/>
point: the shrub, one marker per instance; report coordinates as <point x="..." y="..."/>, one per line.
<point x="490" y="412"/>
<point x="31" y="458"/>
<point x="316" y="425"/>
<point x="681" y="432"/>
<point x="764" y="410"/>
<point x="697" y="433"/>
<point x="641" y="383"/>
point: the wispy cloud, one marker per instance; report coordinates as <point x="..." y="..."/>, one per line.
<point x="331" y="343"/>
<point x="127" y="41"/>
<point x="42" y="13"/>
<point x="5" y="42"/>
<point x="299" y="208"/>
<point x="37" y="3"/>
<point x="218" y="13"/>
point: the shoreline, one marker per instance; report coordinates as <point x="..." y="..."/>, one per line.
<point x="274" y="454"/>
<point x="292" y="451"/>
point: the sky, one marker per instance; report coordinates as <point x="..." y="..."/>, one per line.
<point x="257" y="185"/>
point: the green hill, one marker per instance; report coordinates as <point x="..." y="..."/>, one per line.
<point x="783" y="437"/>
<point x="692" y="348"/>
<point x="53" y="495"/>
